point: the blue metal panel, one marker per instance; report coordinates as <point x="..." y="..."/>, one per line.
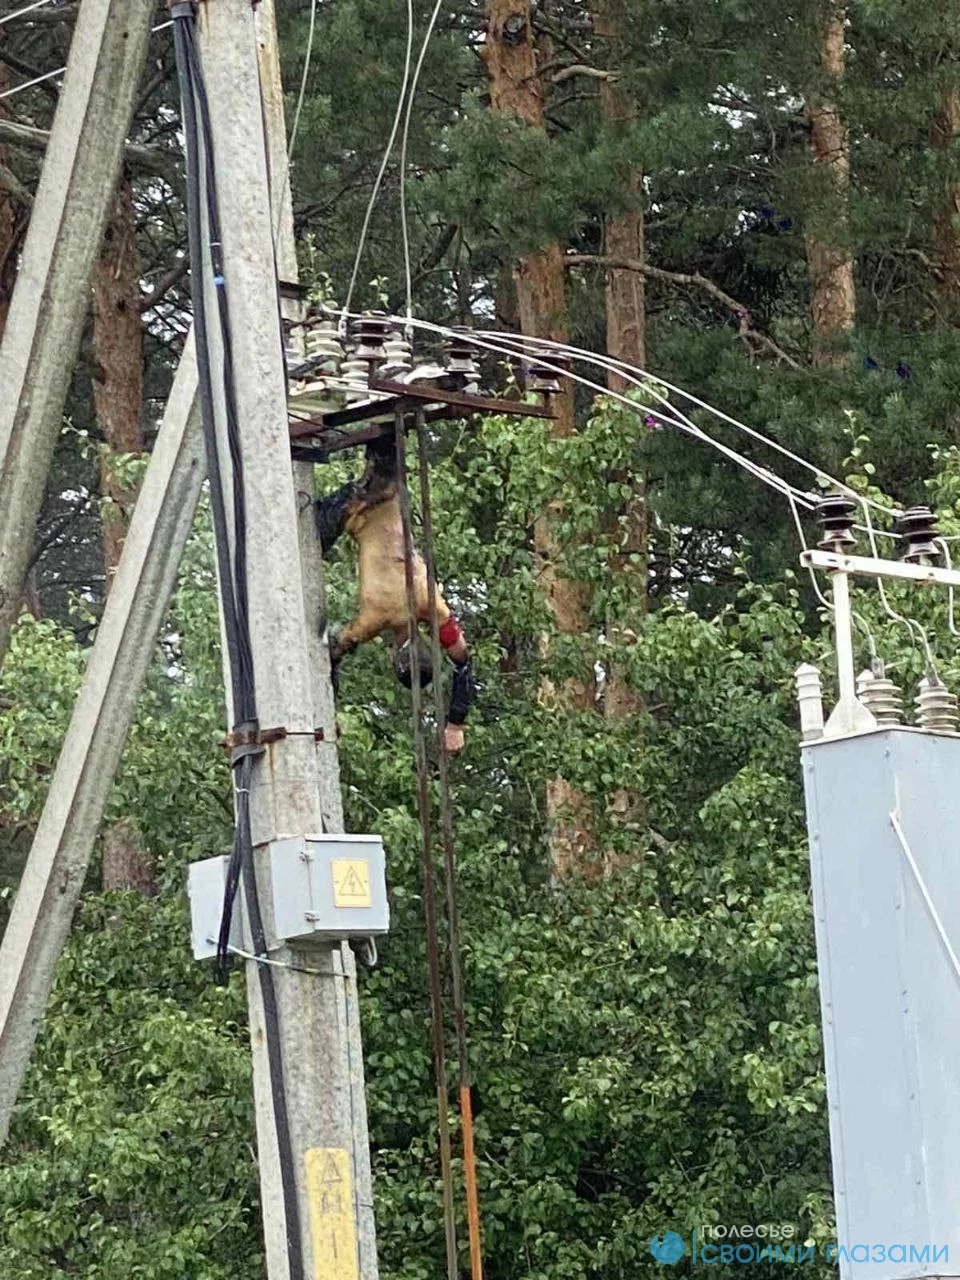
<point x="889" y="992"/>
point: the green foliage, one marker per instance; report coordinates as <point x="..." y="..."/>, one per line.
<point x="645" y="1043"/>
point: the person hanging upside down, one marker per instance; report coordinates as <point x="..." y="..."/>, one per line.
<point x="369" y="511"/>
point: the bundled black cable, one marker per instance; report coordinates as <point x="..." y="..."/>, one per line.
<point x="206" y="254"/>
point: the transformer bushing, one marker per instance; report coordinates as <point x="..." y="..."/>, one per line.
<point x="936" y="706"/>
<point x="356" y="374"/>
<point x="546" y="378"/>
<point x="370" y="332"/>
<point x="881" y="697"/>
<point x="461" y="356"/>
<point x="324" y="347"/>
<point x="835" y="514"/>
<point x="397" y="356"/>
<point x="919" y="526"/>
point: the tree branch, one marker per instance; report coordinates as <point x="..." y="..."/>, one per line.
<point x="581" y="69"/>
<point x="149" y="160"/>
<point x="10" y="183"/>
<point x="688" y="280"/>
<point x="165" y="284"/>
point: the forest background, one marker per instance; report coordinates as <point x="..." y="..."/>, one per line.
<point x="761" y="203"/>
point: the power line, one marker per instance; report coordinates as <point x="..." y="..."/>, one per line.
<point x="8" y="93"/>
<point x="49" y="75"/>
<point x="404" y="222"/>
<point x="27" y="8"/>
<point x="383" y="167"/>
<point x="622" y="366"/>
<point x="495" y="341"/>
<point x="303" y="85"/>
<point x="675" y="418"/>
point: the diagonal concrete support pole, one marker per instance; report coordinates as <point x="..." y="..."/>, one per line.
<point x="54" y="875"/>
<point x="52" y="292"/>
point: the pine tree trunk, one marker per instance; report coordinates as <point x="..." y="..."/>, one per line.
<point x="118" y="367"/>
<point x="516" y="89"/>
<point x="946" y="218"/>
<point x="12" y="225"/>
<point x="829" y="256"/>
<point x="118" y="400"/>
<point x="625" y="304"/>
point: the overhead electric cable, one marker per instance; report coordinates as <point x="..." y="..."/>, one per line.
<point x="49" y="75"/>
<point x="365" y="227"/>
<point x="676" y="418"/>
<point x="951" y="624"/>
<point x="303" y="84"/>
<point x="27" y="8"/>
<point x="404" y="222"/>
<point x="623" y="366"/>
<point x="911" y="624"/>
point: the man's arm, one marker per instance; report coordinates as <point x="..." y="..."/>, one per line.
<point x="463" y="688"/>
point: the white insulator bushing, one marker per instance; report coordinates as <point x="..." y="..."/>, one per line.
<point x="881" y="697"/>
<point x="398" y="356"/>
<point x="936" y="707"/>
<point x="356" y="374"/>
<point x="323" y="346"/>
<point x="294" y="345"/>
<point x="810" y="698"/>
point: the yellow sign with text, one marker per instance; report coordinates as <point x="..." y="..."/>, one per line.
<point x="351" y="882"/>
<point x="333" y="1224"/>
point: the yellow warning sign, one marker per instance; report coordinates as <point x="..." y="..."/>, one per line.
<point x="351" y="883"/>
<point x="333" y="1225"/>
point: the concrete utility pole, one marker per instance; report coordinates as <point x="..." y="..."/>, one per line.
<point x="317" y="1011"/>
<point x="51" y="296"/>
<point x="60" y="854"/>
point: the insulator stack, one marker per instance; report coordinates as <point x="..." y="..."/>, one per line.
<point x="356" y="374"/>
<point x="541" y="380"/>
<point x="397" y="356"/>
<point x="936" y="706"/>
<point x="294" y="345"/>
<point x="919" y="526"/>
<point x="461" y="356"/>
<point x="323" y="348"/>
<point x="881" y="697"/>
<point x="835" y="514"/>
<point x="370" y="332"/>
<point x="810" y="699"/>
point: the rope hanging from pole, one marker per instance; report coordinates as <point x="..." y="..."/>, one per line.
<point x="449" y="867"/>
<point x="429" y="872"/>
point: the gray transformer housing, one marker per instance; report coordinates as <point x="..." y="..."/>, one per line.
<point x="890" y="993"/>
<point x="323" y="888"/>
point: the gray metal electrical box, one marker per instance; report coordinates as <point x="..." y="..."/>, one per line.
<point x="205" y="885"/>
<point x="330" y="886"/>
<point x="887" y="919"/>
<point x="323" y="887"/>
